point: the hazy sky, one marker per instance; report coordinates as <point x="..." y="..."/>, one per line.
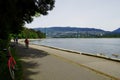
<point x="103" y="14"/>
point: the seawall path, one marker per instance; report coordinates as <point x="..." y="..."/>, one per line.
<point x="44" y="63"/>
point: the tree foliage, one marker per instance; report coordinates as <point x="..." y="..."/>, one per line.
<point x="15" y="13"/>
<point x="30" y="33"/>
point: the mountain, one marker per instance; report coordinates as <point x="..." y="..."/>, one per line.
<point x="117" y="30"/>
<point x="72" y="32"/>
<point x="62" y="29"/>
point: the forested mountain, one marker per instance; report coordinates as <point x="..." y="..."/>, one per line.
<point x="71" y="32"/>
<point x="75" y="32"/>
<point x="117" y="30"/>
<point x="65" y="29"/>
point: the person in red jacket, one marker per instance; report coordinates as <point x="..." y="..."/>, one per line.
<point x="27" y="43"/>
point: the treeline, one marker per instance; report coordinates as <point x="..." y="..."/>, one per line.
<point x="29" y="33"/>
<point x="111" y="35"/>
<point x="106" y="35"/>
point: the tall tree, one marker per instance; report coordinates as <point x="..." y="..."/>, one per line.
<point x="14" y="14"/>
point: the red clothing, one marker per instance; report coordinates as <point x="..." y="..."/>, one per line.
<point x="26" y="41"/>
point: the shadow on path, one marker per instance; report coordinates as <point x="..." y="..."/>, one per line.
<point x="28" y="57"/>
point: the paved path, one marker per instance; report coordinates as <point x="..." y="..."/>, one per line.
<point x="60" y="65"/>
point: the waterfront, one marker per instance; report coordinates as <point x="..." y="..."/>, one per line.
<point x="106" y="46"/>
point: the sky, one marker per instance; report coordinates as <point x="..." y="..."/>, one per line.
<point x="100" y="14"/>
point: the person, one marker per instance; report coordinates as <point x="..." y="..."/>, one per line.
<point x="16" y="40"/>
<point x="26" y="43"/>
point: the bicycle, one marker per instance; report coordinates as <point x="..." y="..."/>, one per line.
<point x="11" y="63"/>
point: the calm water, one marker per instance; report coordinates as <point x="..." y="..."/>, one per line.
<point x="105" y="46"/>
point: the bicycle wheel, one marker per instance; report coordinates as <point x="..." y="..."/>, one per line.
<point x="12" y="73"/>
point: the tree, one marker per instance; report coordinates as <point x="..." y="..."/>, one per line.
<point x="14" y="14"/>
<point x="30" y="33"/>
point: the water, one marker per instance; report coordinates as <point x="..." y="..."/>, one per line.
<point x="106" y="46"/>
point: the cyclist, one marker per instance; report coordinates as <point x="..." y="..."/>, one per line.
<point x="26" y="43"/>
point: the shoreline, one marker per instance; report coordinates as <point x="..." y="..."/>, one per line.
<point x="87" y="54"/>
<point x="77" y="52"/>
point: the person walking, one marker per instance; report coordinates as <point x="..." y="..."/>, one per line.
<point x="16" y="40"/>
<point x="27" y="43"/>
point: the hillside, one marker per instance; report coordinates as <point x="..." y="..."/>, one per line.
<point x="71" y="32"/>
<point x="62" y="29"/>
<point x="117" y="30"/>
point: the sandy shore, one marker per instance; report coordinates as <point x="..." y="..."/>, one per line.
<point x="44" y="63"/>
